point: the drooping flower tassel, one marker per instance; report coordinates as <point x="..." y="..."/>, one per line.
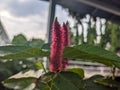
<point x="65" y="42"/>
<point x="56" y="47"/>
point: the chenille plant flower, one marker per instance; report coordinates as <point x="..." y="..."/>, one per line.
<point x="56" y="47"/>
<point x="60" y="39"/>
<point x="65" y="42"/>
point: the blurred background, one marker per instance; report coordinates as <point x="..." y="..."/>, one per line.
<point x="28" y="22"/>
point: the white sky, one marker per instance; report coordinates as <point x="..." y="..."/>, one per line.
<point x="28" y="17"/>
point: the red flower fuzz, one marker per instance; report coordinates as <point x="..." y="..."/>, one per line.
<point x="60" y="39"/>
<point x="56" y="47"/>
<point x="65" y="42"/>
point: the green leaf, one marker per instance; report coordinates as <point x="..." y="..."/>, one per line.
<point x="92" y="54"/>
<point x="91" y="85"/>
<point x="26" y="83"/>
<point x="29" y="53"/>
<point x="19" y="39"/>
<point x="44" y="82"/>
<point x="42" y="86"/>
<point x="78" y="71"/>
<point x="108" y="82"/>
<point x="39" y="65"/>
<point x="47" y="77"/>
<point x="66" y="81"/>
<point x="46" y="46"/>
<point x="13" y="48"/>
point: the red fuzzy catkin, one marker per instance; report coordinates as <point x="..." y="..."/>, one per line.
<point x="56" y="47"/>
<point x="65" y="42"/>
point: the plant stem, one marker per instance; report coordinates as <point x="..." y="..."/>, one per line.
<point x="43" y="68"/>
<point x="113" y="72"/>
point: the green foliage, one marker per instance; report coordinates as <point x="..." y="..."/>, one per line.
<point x="13" y="49"/>
<point x="92" y="85"/>
<point x="46" y="46"/>
<point x="91" y="36"/>
<point x="113" y="37"/>
<point x="92" y="53"/>
<point x="106" y="37"/>
<point x="12" y="66"/>
<point x="39" y="65"/>
<point x="63" y="81"/>
<point x="77" y="34"/>
<point x="103" y="35"/>
<point x="5" y="70"/>
<point x="24" y="83"/>
<point x="81" y="52"/>
<point x="72" y="79"/>
<point x="43" y="86"/>
<point x="108" y="81"/>
<point x="36" y="43"/>
<point x="78" y="71"/>
<point x="49" y="81"/>
<point x="19" y="40"/>
<point x="29" y="53"/>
